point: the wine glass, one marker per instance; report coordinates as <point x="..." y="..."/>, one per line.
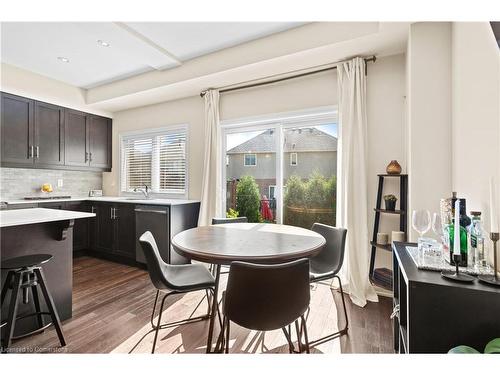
<point x="421" y="222"/>
<point x="437" y="225"/>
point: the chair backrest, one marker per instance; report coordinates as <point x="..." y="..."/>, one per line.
<point x="330" y="259"/>
<point x="229" y="220"/>
<point x="157" y="268"/>
<point x="267" y="297"/>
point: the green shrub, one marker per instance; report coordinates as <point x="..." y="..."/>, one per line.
<point x="248" y="199"/>
<point x="310" y="201"/>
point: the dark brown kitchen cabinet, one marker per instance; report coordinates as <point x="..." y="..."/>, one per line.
<point x="81" y="226"/>
<point x="99" y="142"/>
<point x="114" y="229"/>
<point x="103" y="229"/>
<point x="17" y="131"/>
<point x="124" y="217"/>
<point x="42" y="135"/>
<point x="48" y="135"/>
<point x="76" y="138"/>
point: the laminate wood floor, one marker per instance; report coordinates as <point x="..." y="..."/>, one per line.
<point x="112" y="305"/>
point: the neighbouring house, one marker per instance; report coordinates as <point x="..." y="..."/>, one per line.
<point x="305" y="150"/>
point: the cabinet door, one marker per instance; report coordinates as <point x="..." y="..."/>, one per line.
<point x="80" y="229"/>
<point x="76" y="150"/>
<point x="125" y="230"/>
<point x="52" y="205"/>
<point x="49" y="134"/>
<point x="104" y="228"/>
<point x="100" y="142"/>
<point x="17" y="131"/>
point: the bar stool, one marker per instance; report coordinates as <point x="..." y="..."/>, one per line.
<point x="25" y="272"/>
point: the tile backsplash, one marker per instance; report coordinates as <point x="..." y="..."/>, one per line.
<point x="17" y="183"/>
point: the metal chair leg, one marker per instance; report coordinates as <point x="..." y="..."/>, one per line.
<point x="6" y="286"/>
<point x="304" y="328"/>
<point x="228" y="326"/>
<point x="50" y="304"/>
<point x="11" y="320"/>
<point x="288" y="338"/>
<point x="157" y="328"/>
<point x="36" y="302"/>
<point x="344" y="330"/>
<point x="299" y="334"/>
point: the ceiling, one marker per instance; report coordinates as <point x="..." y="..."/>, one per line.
<point x="134" y="47"/>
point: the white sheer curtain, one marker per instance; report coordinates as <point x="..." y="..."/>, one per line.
<point x="211" y="200"/>
<point x="352" y="182"/>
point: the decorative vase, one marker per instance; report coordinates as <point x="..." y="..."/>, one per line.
<point x="393" y="167"/>
<point x="390" y="205"/>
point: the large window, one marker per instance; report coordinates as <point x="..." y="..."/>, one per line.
<point x="156" y="159"/>
<point x="280" y="189"/>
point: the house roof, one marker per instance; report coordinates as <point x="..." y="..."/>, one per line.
<point x="296" y="140"/>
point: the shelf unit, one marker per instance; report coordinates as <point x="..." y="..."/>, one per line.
<point x="377" y="274"/>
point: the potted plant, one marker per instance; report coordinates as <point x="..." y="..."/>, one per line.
<point x="390" y="202"/>
<point x="493" y="347"/>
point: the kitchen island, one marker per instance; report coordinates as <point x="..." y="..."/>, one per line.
<point x="41" y="231"/>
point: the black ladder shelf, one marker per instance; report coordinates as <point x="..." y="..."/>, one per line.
<point x="384" y="273"/>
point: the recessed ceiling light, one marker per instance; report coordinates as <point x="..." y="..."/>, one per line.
<point x="103" y="43"/>
<point x="63" y="59"/>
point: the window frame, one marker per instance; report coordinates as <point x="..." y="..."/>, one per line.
<point x="279" y="122"/>
<point x="169" y="129"/>
<point x="245" y="159"/>
<point x="296" y="159"/>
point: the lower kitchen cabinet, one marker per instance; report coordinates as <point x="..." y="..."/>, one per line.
<point x="113" y="229"/>
<point x="81" y="227"/>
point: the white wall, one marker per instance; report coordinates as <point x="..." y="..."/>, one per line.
<point x="476" y="117"/>
<point x="22" y="82"/>
<point x="429" y="116"/>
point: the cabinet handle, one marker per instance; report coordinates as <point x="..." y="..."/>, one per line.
<point x="90" y="156"/>
<point x="37" y="152"/>
<point x="86" y="156"/>
<point x="92" y="209"/>
<point x="112" y="213"/>
<point x="30" y="152"/>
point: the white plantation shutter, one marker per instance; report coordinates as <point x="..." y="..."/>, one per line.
<point x="157" y="160"/>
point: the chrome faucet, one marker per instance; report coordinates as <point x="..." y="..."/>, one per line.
<point x="144" y="191"/>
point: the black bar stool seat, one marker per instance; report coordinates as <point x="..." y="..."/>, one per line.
<point x="24" y="273"/>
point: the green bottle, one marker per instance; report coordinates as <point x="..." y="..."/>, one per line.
<point x="464" y="223"/>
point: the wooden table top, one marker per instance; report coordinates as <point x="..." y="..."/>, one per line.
<point x="249" y="242"/>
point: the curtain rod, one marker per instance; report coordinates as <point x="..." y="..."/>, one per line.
<point x="247" y="86"/>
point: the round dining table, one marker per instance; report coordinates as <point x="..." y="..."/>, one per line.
<point x="248" y="242"/>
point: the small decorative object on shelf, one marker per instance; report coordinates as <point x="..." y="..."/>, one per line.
<point x="46" y="188"/>
<point x="382" y="238"/>
<point x="493" y="280"/>
<point x="393" y="167"/>
<point x="457" y="255"/>
<point x="390" y="202"/>
<point x="398" y="236"/>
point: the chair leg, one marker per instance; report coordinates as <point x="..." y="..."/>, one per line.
<point x="228" y="326"/>
<point x="288" y="338"/>
<point x="153" y="326"/>
<point x="219" y="346"/>
<point x="299" y="335"/>
<point x="157" y="328"/>
<point x="36" y="302"/>
<point x="50" y="304"/>
<point x="344" y="330"/>
<point x="304" y="328"/>
<point x="6" y="286"/>
<point x="11" y="320"/>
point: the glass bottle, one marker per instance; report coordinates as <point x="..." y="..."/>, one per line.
<point x="477" y="252"/>
<point x="464" y="223"/>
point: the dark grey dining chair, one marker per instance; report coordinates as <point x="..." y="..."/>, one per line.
<point x="327" y="264"/>
<point x="173" y="279"/>
<point x="266" y="297"/>
<point x="229" y="220"/>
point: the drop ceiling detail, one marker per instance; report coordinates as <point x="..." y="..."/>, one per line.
<point x="89" y="54"/>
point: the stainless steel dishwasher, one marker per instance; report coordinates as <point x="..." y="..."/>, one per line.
<point x="157" y="220"/>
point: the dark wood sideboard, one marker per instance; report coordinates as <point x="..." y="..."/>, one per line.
<point x="436" y="314"/>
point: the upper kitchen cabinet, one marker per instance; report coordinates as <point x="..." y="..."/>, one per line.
<point x="100" y="142"/>
<point x="17" y="131"/>
<point x="76" y="139"/>
<point x="42" y="135"/>
<point x="48" y="135"/>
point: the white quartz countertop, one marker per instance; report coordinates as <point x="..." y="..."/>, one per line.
<point x="10" y="218"/>
<point x="128" y="199"/>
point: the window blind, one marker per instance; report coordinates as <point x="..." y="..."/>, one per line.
<point x="157" y="160"/>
